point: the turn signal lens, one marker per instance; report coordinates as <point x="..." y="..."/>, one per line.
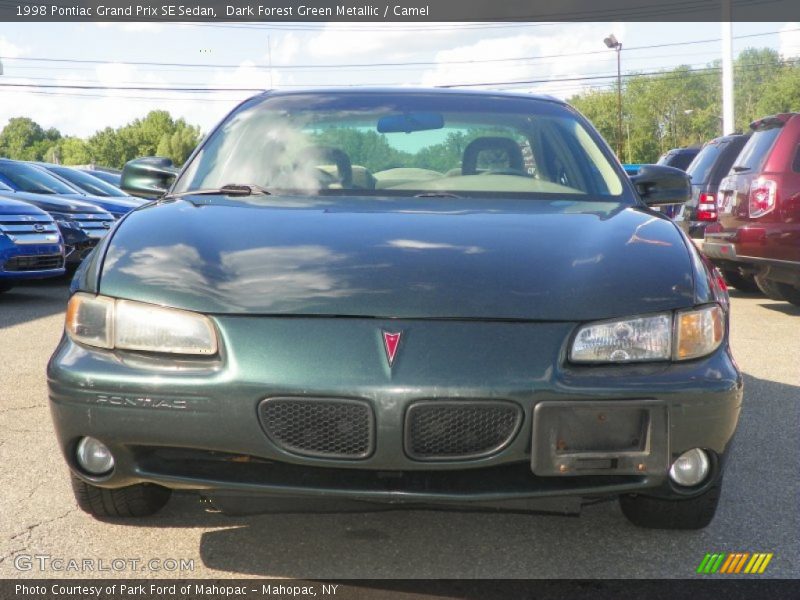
<point x="698" y="332"/>
<point x="90" y="320"/>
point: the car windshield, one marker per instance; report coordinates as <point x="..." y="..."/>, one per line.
<point x="700" y="167"/>
<point x="27" y="178"/>
<point x="756" y="149"/>
<point x="86" y="182"/>
<point x="405" y="144"/>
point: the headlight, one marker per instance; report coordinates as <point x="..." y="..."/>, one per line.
<point x="628" y="340"/>
<point x="682" y="336"/>
<point x="108" y="323"/>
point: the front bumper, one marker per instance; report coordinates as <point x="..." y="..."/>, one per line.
<point x="194" y="424"/>
<point x="30" y="261"/>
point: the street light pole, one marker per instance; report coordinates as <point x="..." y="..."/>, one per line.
<point x="612" y="42"/>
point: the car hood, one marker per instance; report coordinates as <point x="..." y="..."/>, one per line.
<point x="404" y="258"/>
<point x="54" y="202"/>
<point x="9" y="206"/>
<point x="109" y="203"/>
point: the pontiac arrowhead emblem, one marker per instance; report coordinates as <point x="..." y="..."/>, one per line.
<point x="390" y="343"/>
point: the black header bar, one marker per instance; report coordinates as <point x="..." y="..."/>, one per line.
<point x="277" y="11"/>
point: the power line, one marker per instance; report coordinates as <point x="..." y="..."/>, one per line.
<point x="596" y="77"/>
<point x="614" y="75"/>
<point x="123" y="96"/>
<point x="197" y="90"/>
<point x="383" y="64"/>
<point x="36" y="68"/>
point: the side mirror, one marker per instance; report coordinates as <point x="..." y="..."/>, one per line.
<point x="659" y="185"/>
<point x="148" y="177"/>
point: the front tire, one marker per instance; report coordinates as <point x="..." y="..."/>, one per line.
<point x="140" y="500"/>
<point x="659" y="513"/>
<point x="771" y="289"/>
<point x="5" y="286"/>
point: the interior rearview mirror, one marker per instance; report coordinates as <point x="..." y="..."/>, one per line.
<point x="410" y="121"/>
<point x="658" y="185"/>
<point x="148" y="177"/>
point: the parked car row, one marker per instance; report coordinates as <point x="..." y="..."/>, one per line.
<point x="51" y="217"/>
<point x="745" y="205"/>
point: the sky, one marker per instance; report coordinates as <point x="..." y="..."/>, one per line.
<point x="296" y="55"/>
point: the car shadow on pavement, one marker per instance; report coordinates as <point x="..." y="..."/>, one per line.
<point x="758" y="512"/>
<point x="33" y="300"/>
<point x="783" y="307"/>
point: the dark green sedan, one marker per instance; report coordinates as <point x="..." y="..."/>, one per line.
<point x="424" y="298"/>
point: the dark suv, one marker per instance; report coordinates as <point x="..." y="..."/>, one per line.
<point x="759" y="210"/>
<point x="680" y="158"/>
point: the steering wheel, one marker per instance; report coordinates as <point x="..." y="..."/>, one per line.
<point x="317" y="155"/>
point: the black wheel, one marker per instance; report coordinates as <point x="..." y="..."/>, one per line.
<point x="658" y="513"/>
<point x="140" y="500"/>
<point x="770" y="288"/>
<point x="5" y="286"/>
<point x="743" y="283"/>
<point x="789" y="292"/>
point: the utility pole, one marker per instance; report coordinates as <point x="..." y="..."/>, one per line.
<point x="728" y="118"/>
<point x="612" y="42"/>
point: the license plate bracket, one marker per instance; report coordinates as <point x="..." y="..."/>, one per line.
<point x="600" y="437"/>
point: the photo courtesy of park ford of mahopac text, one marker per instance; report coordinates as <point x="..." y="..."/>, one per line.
<point x="399" y="299"/>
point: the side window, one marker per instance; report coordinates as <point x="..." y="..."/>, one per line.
<point x="796" y="160"/>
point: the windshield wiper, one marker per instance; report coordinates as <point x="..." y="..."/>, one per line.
<point x="229" y="189"/>
<point x="436" y="195"/>
<point x="740" y="168"/>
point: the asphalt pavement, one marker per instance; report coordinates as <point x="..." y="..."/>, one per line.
<point x="758" y="511"/>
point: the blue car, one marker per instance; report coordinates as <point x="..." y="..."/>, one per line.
<point x="114" y="178"/>
<point x="81" y="225"/>
<point x="631" y="169"/>
<point x="88" y="183"/>
<point x="30" y="244"/>
<point x="25" y="177"/>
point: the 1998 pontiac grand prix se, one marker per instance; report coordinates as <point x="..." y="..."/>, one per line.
<point x="428" y="298"/>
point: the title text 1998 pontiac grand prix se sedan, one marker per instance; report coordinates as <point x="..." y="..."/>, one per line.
<point x="427" y="298"/>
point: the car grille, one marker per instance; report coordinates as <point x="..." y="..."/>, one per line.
<point x="29" y="229"/>
<point x="320" y="427"/>
<point x="34" y="263"/>
<point x="452" y="430"/>
<point x="93" y="224"/>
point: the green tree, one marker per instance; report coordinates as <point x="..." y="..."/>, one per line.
<point x="755" y="70"/>
<point x="364" y="147"/>
<point x="24" y="139"/>
<point x="73" y="151"/>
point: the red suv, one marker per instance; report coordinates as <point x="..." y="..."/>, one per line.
<point x="759" y="210"/>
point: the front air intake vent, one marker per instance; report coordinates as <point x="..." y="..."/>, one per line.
<point x="459" y="430"/>
<point x="320" y="427"/>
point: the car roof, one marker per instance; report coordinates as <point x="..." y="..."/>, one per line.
<point x="409" y="91"/>
<point x="727" y="138"/>
<point x="683" y="150"/>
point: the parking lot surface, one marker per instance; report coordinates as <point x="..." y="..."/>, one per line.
<point x="758" y="511"/>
